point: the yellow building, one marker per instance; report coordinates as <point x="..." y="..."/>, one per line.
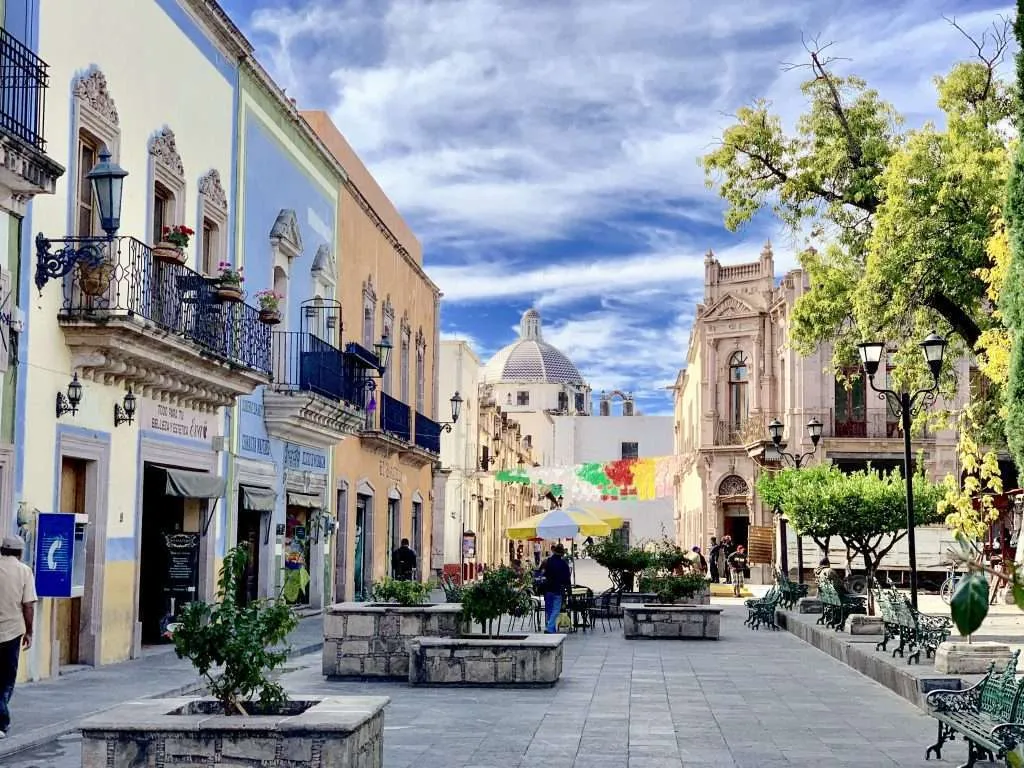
<point x="385" y="475"/>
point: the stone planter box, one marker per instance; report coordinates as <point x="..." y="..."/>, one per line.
<point x="671" y="622"/>
<point x="963" y="658"/>
<point x="638" y="598"/>
<point x="319" y="732"/>
<point x="518" y="660"/>
<point x="371" y="640"/>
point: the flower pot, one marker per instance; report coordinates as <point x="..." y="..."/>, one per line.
<point x="94" y="281"/>
<point x="270" y="316"/>
<point x="169" y="253"/>
<point x="229" y="293"/>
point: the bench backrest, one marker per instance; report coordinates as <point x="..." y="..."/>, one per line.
<point x="827" y="593"/>
<point x="903" y="612"/>
<point x="1000" y="692"/>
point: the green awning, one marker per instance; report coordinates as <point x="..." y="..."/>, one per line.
<point x="257" y="499"/>
<point x="307" y="500"/>
<point x="194" y="485"/>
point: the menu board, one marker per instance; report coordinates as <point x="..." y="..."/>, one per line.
<point x="182" y="575"/>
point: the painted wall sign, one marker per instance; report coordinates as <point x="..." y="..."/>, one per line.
<point x="253" y="441"/>
<point x="178" y="422"/>
<point x="391" y="471"/>
<point x="304" y="459"/>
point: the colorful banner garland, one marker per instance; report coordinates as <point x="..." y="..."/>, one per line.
<point x="624" y="479"/>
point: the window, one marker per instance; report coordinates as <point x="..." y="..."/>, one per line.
<point x="88" y="152"/>
<point x="421" y="378"/>
<point x="522" y="397"/>
<point x="980" y="385"/>
<point x="211" y="247"/>
<point x="737" y="390"/>
<point x="386" y="379"/>
<point x="563" y="402"/>
<point x="581" y="402"/>
<point x="163" y="206"/>
<point x="417" y="527"/>
<point x="850" y="403"/>
<point x="368" y="327"/>
<point x="394" y="525"/>
<point x="630" y="451"/>
<point x="405" y="365"/>
<point x="213" y="220"/>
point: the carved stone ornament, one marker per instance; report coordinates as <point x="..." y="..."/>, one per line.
<point x="323" y="263"/>
<point x="211" y="188"/>
<point x="389" y="308"/>
<point x="733" y="485"/>
<point x="421" y="340"/>
<point x="91" y="88"/>
<point x="164" y="150"/>
<point x="285" y="232"/>
<point x="368" y="292"/>
<point x="730" y="306"/>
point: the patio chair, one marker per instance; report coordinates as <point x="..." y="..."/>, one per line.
<point x="607" y="607"/>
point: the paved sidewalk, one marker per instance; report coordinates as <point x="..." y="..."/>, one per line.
<point x="43" y="711"/>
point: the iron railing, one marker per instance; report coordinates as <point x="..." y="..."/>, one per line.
<point x="874" y="425"/>
<point x="23" y="82"/>
<point x="304" y="362"/>
<point x="394" y="417"/>
<point x="129" y="283"/>
<point x="428" y="434"/>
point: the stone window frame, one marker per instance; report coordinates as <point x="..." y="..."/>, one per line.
<point x="406" y="347"/>
<point x="421" y="371"/>
<point x="93" y="111"/>
<point x="324" y="272"/>
<point x="285" y="240"/>
<point x="213" y="207"/>
<point x="369" y="312"/>
<point x="166" y="169"/>
<point x="387" y="314"/>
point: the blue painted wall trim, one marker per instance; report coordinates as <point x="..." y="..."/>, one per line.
<point x="21" y="20"/>
<point x="92" y="435"/>
<point x="203" y="44"/>
<point x="121" y="549"/>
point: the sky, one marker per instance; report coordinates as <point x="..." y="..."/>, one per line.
<point x="546" y="151"/>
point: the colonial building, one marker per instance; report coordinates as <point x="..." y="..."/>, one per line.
<point x="135" y="344"/>
<point x="385" y="483"/>
<point x="740" y="374"/>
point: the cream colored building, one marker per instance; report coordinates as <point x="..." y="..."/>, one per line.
<point x="740" y="374"/>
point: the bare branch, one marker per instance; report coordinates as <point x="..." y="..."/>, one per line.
<point x="998" y="39"/>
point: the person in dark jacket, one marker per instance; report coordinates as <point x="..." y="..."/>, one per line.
<point x="403" y="562"/>
<point x="716" y="558"/>
<point x="557" y="579"/>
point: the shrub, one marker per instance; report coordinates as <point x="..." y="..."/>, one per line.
<point x="500" y="592"/>
<point x="243" y="640"/>
<point x="623" y="563"/>
<point x="453" y="590"/>
<point x="670" y="588"/>
<point x="400" y="592"/>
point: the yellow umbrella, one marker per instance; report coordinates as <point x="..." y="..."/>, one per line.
<point x="558" y="524"/>
<point x="613" y="520"/>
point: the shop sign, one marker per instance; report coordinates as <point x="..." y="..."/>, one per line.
<point x="468" y="545"/>
<point x="253" y="441"/>
<point x="177" y="422"/>
<point x="302" y="459"/>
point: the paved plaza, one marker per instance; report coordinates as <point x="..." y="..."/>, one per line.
<point x="752" y="699"/>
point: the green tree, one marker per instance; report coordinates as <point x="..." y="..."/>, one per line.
<point x="908" y="217"/>
<point x="1011" y="300"/>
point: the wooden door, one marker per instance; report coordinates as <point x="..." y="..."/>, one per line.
<point x="69" y="610"/>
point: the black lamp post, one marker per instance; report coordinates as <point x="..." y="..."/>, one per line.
<point x="456" y="401"/>
<point x="906" y="406"/>
<point x="775" y="430"/>
<point x="107" y="179"/>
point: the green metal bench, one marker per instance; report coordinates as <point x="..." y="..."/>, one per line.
<point x="916" y="631"/>
<point x="987" y="715"/>
<point x="836" y="607"/>
<point x="789" y="591"/>
<point x="761" y="610"/>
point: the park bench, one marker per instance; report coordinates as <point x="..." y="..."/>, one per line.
<point x="761" y="610"/>
<point x="916" y="631"/>
<point x="836" y="607"/>
<point x="790" y="592"/>
<point x="988" y="715"/>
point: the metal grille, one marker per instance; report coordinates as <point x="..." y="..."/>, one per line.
<point x="394" y="416"/>
<point x="23" y="83"/>
<point x="304" y="362"/>
<point x="428" y="434"/>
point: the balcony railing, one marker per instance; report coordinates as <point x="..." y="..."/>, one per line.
<point x="130" y="284"/>
<point x="306" y="363"/>
<point x="872" y="426"/>
<point x="23" y="83"/>
<point x="730" y="433"/>
<point x="394" y="417"/>
<point x="428" y="434"/>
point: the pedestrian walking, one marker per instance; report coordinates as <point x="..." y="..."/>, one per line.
<point x="713" y="553"/>
<point x="557" y="579"/>
<point x="17" y="612"/>
<point x="700" y="563"/>
<point x="738" y="566"/>
<point x="403" y="561"/>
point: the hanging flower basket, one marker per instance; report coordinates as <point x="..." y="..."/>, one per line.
<point x="270" y="316"/>
<point x="229" y="292"/>
<point x="229" y="286"/>
<point x="94" y="281"/>
<point x="169" y="253"/>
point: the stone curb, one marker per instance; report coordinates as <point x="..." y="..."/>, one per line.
<point x="858" y="652"/>
<point x="40" y="736"/>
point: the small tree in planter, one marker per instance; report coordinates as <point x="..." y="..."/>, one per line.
<point x="243" y="640"/>
<point x="405" y="593"/>
<point x="623" y="563"/>
<point x="672" y="588"/>
<point x="500" y="592"/>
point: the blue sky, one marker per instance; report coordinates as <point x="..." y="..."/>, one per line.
<point x="546" y="151"/>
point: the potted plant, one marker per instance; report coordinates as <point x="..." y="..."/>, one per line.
<point x="406" y="593"/>
<point x="95" y="280"/>
<point x="623" y="563"/>
<point x="673" y="588"/>
<point x="270" y="306"/>
<point x="500" y="592"/>
<point x="229" y="282"/>
<point x="174" y="241"/>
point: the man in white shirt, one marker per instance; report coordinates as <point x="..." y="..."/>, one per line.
<point x="17" y="611"/>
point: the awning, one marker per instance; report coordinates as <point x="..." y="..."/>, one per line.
<point x="258" y="499"/>
<point x="307" y="500"/>
<point x="194" y="485"/>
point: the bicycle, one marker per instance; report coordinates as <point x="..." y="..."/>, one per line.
<point x="949" y="585"/>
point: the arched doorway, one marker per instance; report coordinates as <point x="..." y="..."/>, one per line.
<point x="733" y="493"/>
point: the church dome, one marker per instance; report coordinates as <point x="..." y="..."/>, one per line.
<point x="530" y="358"/>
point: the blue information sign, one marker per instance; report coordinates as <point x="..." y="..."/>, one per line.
<point x="55" y="542"/>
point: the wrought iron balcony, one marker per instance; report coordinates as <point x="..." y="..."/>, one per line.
<point x="428" y="434"/>
<point x="395" y="417"/>
<point x="162" y="327"/>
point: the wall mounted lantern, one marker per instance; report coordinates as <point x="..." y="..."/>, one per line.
<point x="383" y="350"/>
<point x="124" y="414"/>
<point x="69" y="403"/>
<point x="107" y="179"/>
<point x="456" y="401"/>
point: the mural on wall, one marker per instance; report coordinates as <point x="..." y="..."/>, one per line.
<point x="622" y="479"/>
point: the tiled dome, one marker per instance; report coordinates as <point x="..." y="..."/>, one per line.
<point x="531" y="359"/>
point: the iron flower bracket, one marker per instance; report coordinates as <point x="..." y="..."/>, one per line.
<point x="53" y="263"/>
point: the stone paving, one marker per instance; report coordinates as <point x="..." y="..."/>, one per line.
<point x="757" y="699"/>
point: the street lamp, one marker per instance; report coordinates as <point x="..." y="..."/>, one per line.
<point x="906" y="405"/>
<point x="383" y="350"/>
<point x="775" y="430"/>
<point x="456" y="401"/>
<point x="107" y="180"/>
